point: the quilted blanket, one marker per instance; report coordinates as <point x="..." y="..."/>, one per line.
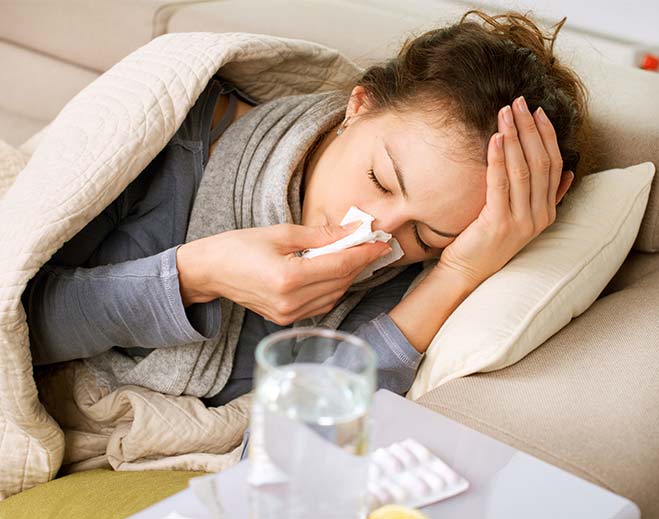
<point x="100" y="141"/>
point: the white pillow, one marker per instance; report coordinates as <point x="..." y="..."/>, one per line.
<point x="553" y="279"/>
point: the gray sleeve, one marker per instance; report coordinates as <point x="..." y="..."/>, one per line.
<point x="76" y="312"/>
<point x="397" y="359"/>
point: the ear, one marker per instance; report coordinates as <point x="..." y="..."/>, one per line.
<point x="358" y="102"/>
<point x="566" y="181"/>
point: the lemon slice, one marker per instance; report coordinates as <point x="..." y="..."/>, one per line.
<point x="396" y="512"/>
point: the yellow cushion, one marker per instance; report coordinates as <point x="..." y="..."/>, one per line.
<point x="100" y="493"/>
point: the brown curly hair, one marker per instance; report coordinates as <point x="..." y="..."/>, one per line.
<point x="466" y="72"/>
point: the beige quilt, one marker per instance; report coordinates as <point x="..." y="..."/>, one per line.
<point x="100" y="141"/>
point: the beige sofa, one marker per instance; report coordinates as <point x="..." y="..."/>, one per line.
<point x="588" y="399"/>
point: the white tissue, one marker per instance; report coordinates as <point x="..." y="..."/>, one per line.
<point x="361" y="235"/>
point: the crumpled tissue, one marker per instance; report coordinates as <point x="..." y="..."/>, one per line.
<point x="362" y="234"/>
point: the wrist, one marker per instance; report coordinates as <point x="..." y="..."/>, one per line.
<point x="462" y="279"/>
<point x="422" y="312"/>
<point x="193" y="280"/>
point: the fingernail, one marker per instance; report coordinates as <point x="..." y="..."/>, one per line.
<point x="522" y="104"/>
<point x="542" y="115"/>
<point x="508" y="115"/>
<point x="385" y="252"/>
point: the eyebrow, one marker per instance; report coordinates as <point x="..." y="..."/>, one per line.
<point x="401" y="184"/>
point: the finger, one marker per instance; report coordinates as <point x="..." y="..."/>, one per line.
<point x="309" y="293"/>
<point x="312" y="290"/>
<point x="564" y="185"/>
<point x="536" y="156"/>
<point x="338" y="264"/>
<point x="516" y="167"/>
<point x="498" y="185"/>
<point x="320" y="305"/>
<point x="295" y="237"/>
<point x="550" y="141"/>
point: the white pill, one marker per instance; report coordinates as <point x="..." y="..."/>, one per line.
<point x="386" y="461"/>
<point x="435" y="482"/>
<point x="421" y="452"/>
<point x="444" y="471"/>
<point x="402" y="454"/>
<point x="379" y="494"/>
<point x="399" y="494"/>
<point x="374" y="472"/>
<point x="413" y="484"/>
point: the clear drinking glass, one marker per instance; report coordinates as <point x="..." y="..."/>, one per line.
<point x="310" y="425"/>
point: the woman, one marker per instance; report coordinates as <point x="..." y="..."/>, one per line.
<point x="425" y="147"/>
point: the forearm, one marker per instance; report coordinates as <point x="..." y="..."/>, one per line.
<point x="424" y="310"/>
<point x="76" y="312"/>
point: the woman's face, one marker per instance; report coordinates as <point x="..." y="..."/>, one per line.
<point x="441" y="189"/>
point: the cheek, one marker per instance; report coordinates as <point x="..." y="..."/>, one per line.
<point x="343" y="187"/>
<point x="408" y="243"/>
<point x="351" y="186"/>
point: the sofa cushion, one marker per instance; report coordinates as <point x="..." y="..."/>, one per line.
<point x="339" y="25"/>
<point x="555" y="278"/>
<point x="100" y="493"/>
<point x="586" y="400"/>
<point x="636" y="266"/>
<point x="92" y="34"/>
<point x="34" y="88"/>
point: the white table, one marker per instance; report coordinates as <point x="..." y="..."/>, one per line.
<point x="504" y="482"/>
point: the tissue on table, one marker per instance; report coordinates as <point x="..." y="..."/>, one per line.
<point x="361" y="235"/>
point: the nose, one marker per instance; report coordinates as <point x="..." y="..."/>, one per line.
<point x="390" y="221"/>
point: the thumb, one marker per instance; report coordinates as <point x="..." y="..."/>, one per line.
<point x="310" y="236"/>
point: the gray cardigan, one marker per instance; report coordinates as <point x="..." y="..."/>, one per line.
<point x="115" y="283"/>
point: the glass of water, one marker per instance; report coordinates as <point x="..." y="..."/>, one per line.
<point x="310" y="425"/>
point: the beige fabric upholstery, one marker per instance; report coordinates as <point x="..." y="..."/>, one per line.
<point x="624" y="107"/>
<point x="365" y="31"/>
<point x="585" y="401"/>
<point x="33" y="89"/>
<point x="636" y="266"/>
<point x="15" y="128"/>
<point x="90" y="34"/>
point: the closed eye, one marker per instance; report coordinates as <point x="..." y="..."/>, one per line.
<point x="371" y="175"/>
<point x="419" y="241"/>
<point x="418" y="238"/>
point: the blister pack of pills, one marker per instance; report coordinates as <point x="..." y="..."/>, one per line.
<point x="407" y="473"/>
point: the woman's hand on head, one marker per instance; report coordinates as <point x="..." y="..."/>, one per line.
<point x="525" y="181"/>
<point x="258" y="269"/>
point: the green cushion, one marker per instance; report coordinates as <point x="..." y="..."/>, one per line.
<point x="100" y="494"/>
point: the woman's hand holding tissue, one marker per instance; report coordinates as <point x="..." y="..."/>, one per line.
<point x="258" y="269"/>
